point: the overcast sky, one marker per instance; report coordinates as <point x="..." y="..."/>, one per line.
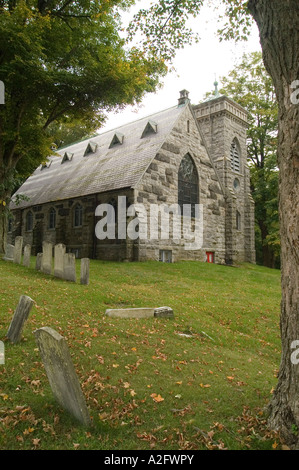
<point x="196" y="67"/>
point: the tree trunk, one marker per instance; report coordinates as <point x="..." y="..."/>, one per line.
<point x="3" y="228"/>
<point x="278" y="23"/>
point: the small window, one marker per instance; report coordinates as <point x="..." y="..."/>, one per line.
<point x="91" y="148"/>
<point x="67" y="157"/>
<point x="238" y="220"/>
<point x="165" y="256"/>
<point x="235" y="156"/>
<point x="52" y="218"/>
<point x="150" y="128"/>
<point x="118" y="139"/>
<point x="78" y="215"/>
<point x="29" y="221"/>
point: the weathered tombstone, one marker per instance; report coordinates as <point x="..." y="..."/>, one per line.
<point x="84" y="273"/>
<point x="18" y="250"/>
<point x="20" y="316"/>
<point x="59" y="252"/>
<point x="46" y="266"/>
<point x="164" y="312"/>
<point x="27" y="254"/>
<point x="61" y="373"/>
<point x="38" y="262"/>
<point x="69" y="267"/>
<point x="9" y="252"/>
<point x="130" y="312"/>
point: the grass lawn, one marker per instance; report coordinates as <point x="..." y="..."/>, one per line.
<point x="146" y="386"/>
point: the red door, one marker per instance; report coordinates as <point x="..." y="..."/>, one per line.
<point x="210" y="257"/>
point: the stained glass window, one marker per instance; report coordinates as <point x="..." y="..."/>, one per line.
<point x="188" y="184"/>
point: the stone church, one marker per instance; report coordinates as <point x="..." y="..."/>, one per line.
<point x="184" y="155"/>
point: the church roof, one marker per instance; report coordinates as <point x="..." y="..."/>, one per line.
<point x="109" y="161"/>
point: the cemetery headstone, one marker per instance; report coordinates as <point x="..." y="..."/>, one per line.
<point x="46" y="265"/>
<point x="38" y="262"/>
<point x="18" y="250"/>
<point x="61" y="373"/>
<point x="164" y="312"/>
<point x="9" y="252"/>
<point x="59" y="252"/>
<point x="27" y="254"/>
<point x="69" y="267"/>
<point x="84" y="273"/>
<point x="20" y="316"/>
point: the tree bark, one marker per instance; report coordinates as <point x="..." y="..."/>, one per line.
<point x="278" y="23"/>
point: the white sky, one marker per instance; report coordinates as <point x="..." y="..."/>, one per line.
<point x="195" y="66"/>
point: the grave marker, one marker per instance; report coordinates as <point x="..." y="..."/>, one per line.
<point x="38" y="262"/>
<point x="46" y="265"/>
<point x="20" y="316"/>
<point x="61" y="373"/>
<point x="27" y="254"/>
<point x="69" y="267"/>
<point x="9" y="252"/>
<point x="84" y="273"/>
<point x="59" y="252"/>
<point x="18" y="250"/>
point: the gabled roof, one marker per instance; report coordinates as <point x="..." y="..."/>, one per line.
<point x="104" y="168"/>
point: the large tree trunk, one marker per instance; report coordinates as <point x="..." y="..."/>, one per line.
<point x="278" y="23"/>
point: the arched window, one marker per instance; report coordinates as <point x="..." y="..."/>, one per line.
<point x="235" y="156"/>
<point x="52" y="218"/>
<point x="78" y="215"/>
<point x="188" y="190"/>
<point x="29" y="221"/>
<point x="238" y="220"/>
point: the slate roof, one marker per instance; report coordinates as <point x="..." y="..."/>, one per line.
<point x="106" y="167"/>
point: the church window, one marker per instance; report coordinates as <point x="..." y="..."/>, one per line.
<point x="29" y="221"/>
<point x="188" y="184"/>
<point x="236" y="184"/>
<point x="52" y="218"/>
<point x="78" y="215"/>
<point x="235" y="156"/>
<point x="238" y="220"/>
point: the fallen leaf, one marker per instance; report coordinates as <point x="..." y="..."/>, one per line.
<point x="157" y="398"/>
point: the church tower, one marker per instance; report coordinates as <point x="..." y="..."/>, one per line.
<point x="224" y="128"/>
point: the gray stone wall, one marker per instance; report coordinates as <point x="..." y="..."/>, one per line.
<point x="222" y="121"/>
<point x="160" y="185"/>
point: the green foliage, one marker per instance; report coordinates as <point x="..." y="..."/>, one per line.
<point x="250" y="86"/>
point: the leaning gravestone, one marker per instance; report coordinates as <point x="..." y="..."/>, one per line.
<point x="26" y="257"/>
<point x="59" y="252"/>
<point x="69" y="267"/>
<point x="20" y="316"/>
<point x="9" y="252"/>
<point x="61" y="373"/>
<point x="84" y="272"/>
<point x="18" y="250"/>
<point x="38" y="262"/>
<point x="46" y="266"/>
